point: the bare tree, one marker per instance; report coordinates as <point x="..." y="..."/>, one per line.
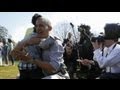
<point x="63" y="28"/>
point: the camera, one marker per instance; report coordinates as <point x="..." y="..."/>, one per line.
<point x="99" y="39"/>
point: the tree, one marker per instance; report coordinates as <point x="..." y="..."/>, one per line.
<point x="63" y="28"/>
<point x="3" y="32"/>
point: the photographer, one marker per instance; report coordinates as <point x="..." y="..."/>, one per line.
<point x="85" y="53"/>
<point x="107" y="53"/>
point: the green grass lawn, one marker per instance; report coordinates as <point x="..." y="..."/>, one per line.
<point x="9" y="72"/>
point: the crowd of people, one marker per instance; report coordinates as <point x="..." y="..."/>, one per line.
<point x="98" y="58"/>
<point x="43" y="56"/>
<point x="6" y="46"/>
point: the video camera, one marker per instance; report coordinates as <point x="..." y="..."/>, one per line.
<point x="99" y="39"/>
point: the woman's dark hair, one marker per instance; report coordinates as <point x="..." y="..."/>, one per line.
<point x="9" y="40"/>
<point x="35" y="17"/>
<point x="34" y="29"/>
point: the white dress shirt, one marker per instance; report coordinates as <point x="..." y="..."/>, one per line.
<point x="111" y="61"/>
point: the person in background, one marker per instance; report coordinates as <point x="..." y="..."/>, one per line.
<point x="10" y="48"/>
<point x="67" y="40"/>
<point x="1" y="44"/>
<point x="108" y="57"/>
<point x="5" y="52"/>
<point x="70" y="60"/>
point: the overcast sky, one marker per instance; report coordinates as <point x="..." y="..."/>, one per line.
<point x="18" y="22"/>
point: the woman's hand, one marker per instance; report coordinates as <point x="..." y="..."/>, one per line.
<point x="86" y="62"/>
<point x="33" y="41"/>
<point x="20" y="55"/>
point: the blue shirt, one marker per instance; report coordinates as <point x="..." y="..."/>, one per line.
<point x="34" y="51"/>
<point x="111" y="61"/>
<point x="52" y="51"/>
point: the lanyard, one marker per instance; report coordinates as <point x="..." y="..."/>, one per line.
<point x="109" y="53"/>
<point x="111" y="50"/>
